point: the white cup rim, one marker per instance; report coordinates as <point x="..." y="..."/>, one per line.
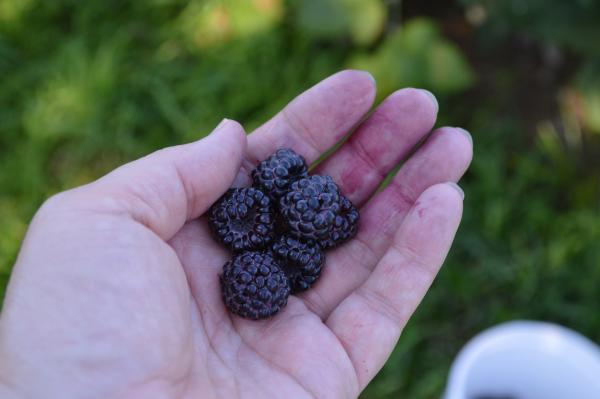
<point x="584" y="350"/>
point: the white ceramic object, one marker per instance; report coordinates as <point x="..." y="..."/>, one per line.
<point x="526" y="360"/>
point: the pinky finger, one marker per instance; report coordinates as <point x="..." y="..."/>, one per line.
<point x="369" y="321"/>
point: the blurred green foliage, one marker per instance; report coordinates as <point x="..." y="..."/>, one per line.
<point x="362" y="20"/>
<point x="568" y="25"/>
<point x="416" y="55"/>
<point x="572" y="24"/>
<point x="86" y="86"/>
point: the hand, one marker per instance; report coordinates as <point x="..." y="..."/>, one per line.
<point x="115" y="293"/>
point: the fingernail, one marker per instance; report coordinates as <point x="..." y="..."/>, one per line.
<point x="371" y="77"/>
<point x="466" y="133"/>
<point x="222" y="124"/>
<point x="433" y="99"/>
<point x="457" y="188"/>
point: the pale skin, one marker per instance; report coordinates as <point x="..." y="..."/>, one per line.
<point x="115" y="292"/>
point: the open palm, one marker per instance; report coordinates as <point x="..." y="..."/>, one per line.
<point x="116" y="293"/>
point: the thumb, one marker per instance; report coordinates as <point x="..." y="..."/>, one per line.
<point x="171" y="186"/>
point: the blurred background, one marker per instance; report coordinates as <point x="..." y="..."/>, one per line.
<point x="86" y="86"/>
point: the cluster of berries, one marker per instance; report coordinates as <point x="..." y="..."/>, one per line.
<point x="278" y="230"/>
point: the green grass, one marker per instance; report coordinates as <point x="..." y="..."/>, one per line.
<point x="89" y="85"/>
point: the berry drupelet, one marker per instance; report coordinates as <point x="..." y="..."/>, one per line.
<point x="301" y="261"/>
<point x="243" y="219"/>
<point x="310" y="207"/>
<point x="275" y="174"/>
<point x="345" y="225"/>
<point x="254" y="286"/>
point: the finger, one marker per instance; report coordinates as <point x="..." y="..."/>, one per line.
<point x="368" y="323"/>
<point x="170" y="186"/>
<point x="317" y="119"/>
<point x="444" y="157"/>
<point x="381" y="142"/>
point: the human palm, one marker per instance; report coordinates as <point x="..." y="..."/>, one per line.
<point x="116" y="292"/>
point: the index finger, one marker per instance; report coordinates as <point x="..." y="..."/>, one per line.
<point x="317" y="119"/>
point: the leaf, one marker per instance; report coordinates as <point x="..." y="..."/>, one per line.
<point x="416" y="55"/>
<point x="366" y="19"/>
<point x="448" y="70"/>
<point x="362" y="20"/>
<point x="211" y="23"/>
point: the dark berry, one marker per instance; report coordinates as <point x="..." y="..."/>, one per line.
<point x="243" y="219"/>
<point x="345" y="225"/>
<point x="310" y="207"/>
<point x="301" y="261"/>
<point x="275" y="174"/>
<point x="254" y="286"/>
